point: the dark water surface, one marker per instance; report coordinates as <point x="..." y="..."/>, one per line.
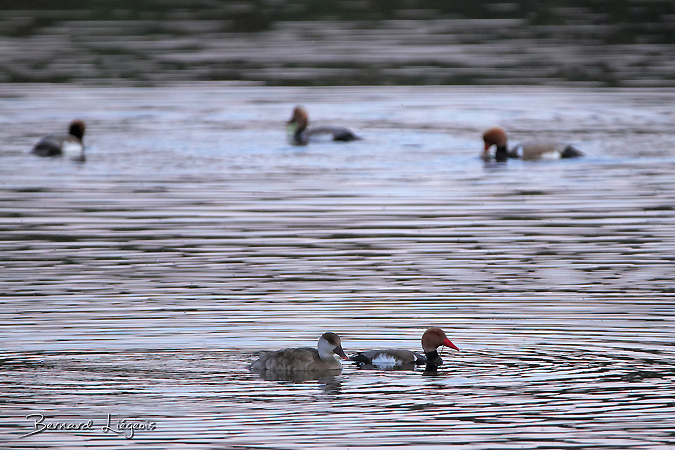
<point x="141" y="283"/>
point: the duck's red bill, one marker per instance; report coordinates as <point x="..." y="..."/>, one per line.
<point x="447" y="343"/>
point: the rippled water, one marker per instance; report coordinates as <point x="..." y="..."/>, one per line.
<point x="141" y="283"/>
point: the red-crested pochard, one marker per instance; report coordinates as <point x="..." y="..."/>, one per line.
<point x="319" y="359"/>
<point x="526" y="151"/>
<point x="396" y="358"/>
<point x="65" y="144"/>
<point x="299" y="134"/>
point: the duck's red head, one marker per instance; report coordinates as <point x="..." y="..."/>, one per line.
<point x="434" y="338"/>
<point x="299" y="118"/>
<point x="494" y="136"/>
<point x="76" y="129"/>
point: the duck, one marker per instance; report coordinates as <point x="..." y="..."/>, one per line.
<point x="403" y="359"/>
<point x="527" y="151"/>
<point x="303" y="359"/>
<point x="67" y="144"/>
<point x="299" y="134"/>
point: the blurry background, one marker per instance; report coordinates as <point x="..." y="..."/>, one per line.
<point x="615" y="43"/>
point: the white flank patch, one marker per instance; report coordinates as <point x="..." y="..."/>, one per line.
<point x="550" y="156"/>
<point x="71" y="148"/>
<point x="321" y="137"/>
<point x="383" y="360"/>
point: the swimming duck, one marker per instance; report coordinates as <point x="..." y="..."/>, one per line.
<point x="299" y="134"/>
<point x="400" y="359"/>
<point x="57" y="145"/>
<point x="319" y="359"/>
<point x="527" y="151"/>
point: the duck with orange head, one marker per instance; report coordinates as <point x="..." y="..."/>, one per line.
<point x="527" y="151"/>
<point x="406" y="359"/>
<point x="299" y="133"/>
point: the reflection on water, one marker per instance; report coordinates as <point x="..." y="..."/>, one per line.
<point x="529" y="396"/>
<point x="324" y="377"/>
<point x="143" y="282"/>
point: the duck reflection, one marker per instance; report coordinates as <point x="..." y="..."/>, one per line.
<point x="295" y="376"/>
<point x="431" y="371"/>
<point x="327" y="380"/>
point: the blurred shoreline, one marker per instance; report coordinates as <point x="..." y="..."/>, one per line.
<point x="345" y="43"/>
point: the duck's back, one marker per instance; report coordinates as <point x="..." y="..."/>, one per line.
<point x="335" y="133"/>
<point x="55" y="145"/>
<point x="293" y="359"/>
<point x="49" y="146"/>
<point x="389" y="358"/>
<point x="538" y="150"/>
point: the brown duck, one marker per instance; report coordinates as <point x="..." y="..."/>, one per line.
<point x="526" y="151"/>
<point x="300" y="134"/>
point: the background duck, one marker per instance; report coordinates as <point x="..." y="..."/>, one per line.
<point x="299" y="134"/>
<point x="317" y="359"/>
<point x="65" y="144"/>
<point x="404" y="359"/>
<point x="526" y="151"/>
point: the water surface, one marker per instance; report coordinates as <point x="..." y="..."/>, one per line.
<point x="142" y="283"/>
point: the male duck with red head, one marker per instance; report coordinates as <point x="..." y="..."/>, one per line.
<point x="404" y="359"/>
<point x="300" y="134"/>
<point x="63" y="144"/>
<point x="526" y="151"/>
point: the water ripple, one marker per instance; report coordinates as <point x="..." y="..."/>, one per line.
<point x="142" y="283"/>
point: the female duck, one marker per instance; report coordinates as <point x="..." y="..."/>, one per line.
<point x="299" y="134"/>
<point x="396" y="358"/>
<point x="57" y="145"/>
<point x="527" y="151"/>
<point x="317" y="359"/>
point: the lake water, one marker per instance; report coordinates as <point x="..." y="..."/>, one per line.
<point x="142" y="282"/>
